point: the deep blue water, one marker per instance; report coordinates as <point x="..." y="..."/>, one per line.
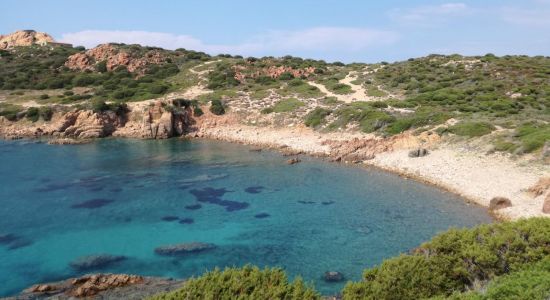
<point x="126" y="197"/>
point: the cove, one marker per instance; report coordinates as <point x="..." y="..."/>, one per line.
<point x="125" y="198"/>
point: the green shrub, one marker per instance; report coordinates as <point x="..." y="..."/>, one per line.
<point x="285" y="105"/>
<point x="46" y="113"/>
<point x="316" y="117"/>
<point x="10" y="111"/>
<point x="472" y="129"/>
<point x="197" y="111"/>
<point x="217" y="107"/>
<point x="101" y="66"/>
<point x="32" y="114"/>
<point x="99" y="105"/>
<point x="44" y="96"/>
<point x="242" y="283"/>
<point x="457" y="260"/>
<point x="533" y="136"/>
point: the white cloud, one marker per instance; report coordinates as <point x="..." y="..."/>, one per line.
<point x="531" y="17"/>
<point x="318" y="39"/>
<point x="430" y="13"/>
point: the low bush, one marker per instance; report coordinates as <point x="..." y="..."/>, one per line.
<point x="10" y="111"/>
<point x="285" y="105"/>
<point x="533" y="136"/>
<point x="99" y="105"/>
<point x="46" y="113"/>
<point x="472" y="129"/>
<point x="217" y="107"/>
<point x="316" y="117"/>
<point x="242" y="283"/>
<point x="32" y="114"/>
<point x="458" y="260"/>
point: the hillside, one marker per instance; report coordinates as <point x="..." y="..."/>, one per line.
<point x="507" y="96"/>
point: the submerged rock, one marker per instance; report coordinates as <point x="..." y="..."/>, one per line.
<point x="327" y="202"/>
<point x="333" y="276"/>
<point x="293" y="161"/>
<point x="92" y="204"/>
<point x="254" y="189"/>
<point x="185" y="248"/>
<point x="499" y="203"/>
<point x="19" y="243"/>
<point x="95" y="261"/>
<point x="193" y="207"/>
<point x="306" y="202"/>
<point x="262" y="216"/>
<point x="187" y="221"/>
<point x="170" y="218"/>
<point x="213" y="196"/>
<point x="8" y="238"/>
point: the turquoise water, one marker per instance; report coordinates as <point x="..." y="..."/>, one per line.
<point x="58" y="203"/>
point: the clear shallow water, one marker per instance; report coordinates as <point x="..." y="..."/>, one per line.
<point x="64" y="202"/>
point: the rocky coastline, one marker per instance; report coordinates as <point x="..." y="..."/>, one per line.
<point x="467" y="171"/>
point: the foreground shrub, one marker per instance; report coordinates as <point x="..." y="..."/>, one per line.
<point x="457" y="260"/>
<point x="217" y="107"/>
<point x="242" y="283"/>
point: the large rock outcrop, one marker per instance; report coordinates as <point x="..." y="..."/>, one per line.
<point x="101" y="286"/>
<point x="114" y="56"/>
<point x="24" y="38"/>
<point x="155" y="120"/>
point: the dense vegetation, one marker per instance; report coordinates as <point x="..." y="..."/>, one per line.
<point x="459" y="260"/>
<point x="40" y="68"/>
<point x="244" y="283"/>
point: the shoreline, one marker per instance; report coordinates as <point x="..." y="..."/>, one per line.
<point x="469" y="174"/>
<point x="460" y="168"/>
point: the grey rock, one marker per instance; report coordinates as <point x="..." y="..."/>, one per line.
<point x="185" y="248"/>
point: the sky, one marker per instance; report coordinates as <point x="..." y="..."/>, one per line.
<point x="344" y="30"/>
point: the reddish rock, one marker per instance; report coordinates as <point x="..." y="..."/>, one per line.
<point x="499" y="203"/>
<point x="115" y="56"/>
<point x="293" y="161"/>
<point x="24" y="38"/>
<point x="546" y="205"/>
<point x="540" y="187"/>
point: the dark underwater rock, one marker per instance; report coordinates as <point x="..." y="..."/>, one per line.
<point x="213" y="196"/>
<point x="170" y="218"/>
<point x="19" y="243"/>
<point x="262" y="216"/>
<point x="8" y="238"/>
<point x="306" y="202"/>
<point x="91" y="262"/>
<point x="193" y="207"/>
<point x="327" y="202"/>
<point x="187" y="221"/>
<point x="333" y="276"/>
<point x="254" y="189"/>
<point x="93" y="204"/>
<point x="185" y="248"/>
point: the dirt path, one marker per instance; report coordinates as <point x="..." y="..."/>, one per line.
<point x="358" y="92"/>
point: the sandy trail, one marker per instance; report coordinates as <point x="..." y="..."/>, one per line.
<point x="359" y="93"/>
